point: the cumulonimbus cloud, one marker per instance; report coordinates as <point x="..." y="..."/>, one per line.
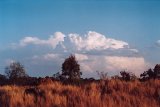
<point x="114" y="64"/>
<point x="88" y="50"/>
<point x="136" y="65"/>
<point x="91" y="41"/>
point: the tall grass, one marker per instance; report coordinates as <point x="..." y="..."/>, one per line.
<point x="109" y="93"/>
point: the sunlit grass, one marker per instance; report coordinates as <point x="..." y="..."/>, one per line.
<point x="109" y="93"/>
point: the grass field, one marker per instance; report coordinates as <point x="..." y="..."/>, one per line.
<point x="109" y="93"/>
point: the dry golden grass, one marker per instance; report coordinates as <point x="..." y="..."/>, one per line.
<point x="110" y="93"/>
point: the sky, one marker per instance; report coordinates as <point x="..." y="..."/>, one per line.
<point x="104" y="35"/>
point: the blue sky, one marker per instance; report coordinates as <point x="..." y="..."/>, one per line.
<point x="135" y="22"/>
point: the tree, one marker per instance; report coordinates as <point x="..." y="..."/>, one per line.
<point x="127" y="76"/>
<point x="71" y="68"/>
<point x="57" y="76"/>
<point x="151" y="74"/>
<point x="15" y="70"/>
<point x="157" y="71"/>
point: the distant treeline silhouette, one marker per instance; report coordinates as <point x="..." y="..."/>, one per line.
<point x="15" y="74"/>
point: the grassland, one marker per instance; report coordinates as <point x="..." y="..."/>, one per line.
<point x="109" y="93"/>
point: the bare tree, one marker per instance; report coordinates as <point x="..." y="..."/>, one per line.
<point x="102" y="75"/>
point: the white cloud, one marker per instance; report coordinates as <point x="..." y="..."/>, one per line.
<point x="47" y="57"/>
<point x="50" y="56"/>
<point x="134" y="50"/>
<point x="31" y="40"/>
<point x="81" y="57"/>
<point x="75" y="42"/>
<point x="114" y="64"/>
<point x="52" y="41"/>
<point x="89" y="64"/>
<point x="96" y="41"/>
<point x="134" y="64"/>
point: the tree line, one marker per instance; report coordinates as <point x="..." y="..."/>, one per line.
<point x="71" y="71"/>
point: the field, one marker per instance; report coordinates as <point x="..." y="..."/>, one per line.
<point x="108" y="93"/>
